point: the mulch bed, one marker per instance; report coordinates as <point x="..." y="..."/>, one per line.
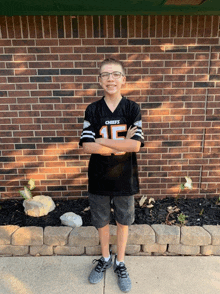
<point x="200" y="212"/>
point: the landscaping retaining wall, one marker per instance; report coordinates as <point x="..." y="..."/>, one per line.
<point x="142" y="240"/>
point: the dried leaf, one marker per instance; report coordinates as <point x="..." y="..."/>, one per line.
<point x="32" y="184"/>
<point x="22" y="193"/>
<point x="141" y="202"/>
<point x="188" y="183"/>
<point x="150" y="200"/>
<point x="87" y="208"/>
<point x="172" y="222"/>
<point x="171" y="209"/>
<point x="26" y="194"/>
<point x="150" y="206"/>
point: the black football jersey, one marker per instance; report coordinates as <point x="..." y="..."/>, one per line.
<point x="115" y="175"/>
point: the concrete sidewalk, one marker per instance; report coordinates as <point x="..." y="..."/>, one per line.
<point x="149" y="274"/>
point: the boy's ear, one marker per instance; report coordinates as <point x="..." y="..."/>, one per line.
<point x="124" y="80"/>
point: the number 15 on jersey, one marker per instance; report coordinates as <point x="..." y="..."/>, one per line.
<point x="114" y="132"/>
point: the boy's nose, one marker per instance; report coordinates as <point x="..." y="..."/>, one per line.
<point x="110" y="77"/>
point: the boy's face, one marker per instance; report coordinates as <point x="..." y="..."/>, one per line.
<point x="110" y="85"/>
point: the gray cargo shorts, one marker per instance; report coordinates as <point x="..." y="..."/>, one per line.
<point x="100" y="207"/>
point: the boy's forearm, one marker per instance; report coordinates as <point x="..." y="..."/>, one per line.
<point x="126" y="145"/>
<point x="95" y="148"/>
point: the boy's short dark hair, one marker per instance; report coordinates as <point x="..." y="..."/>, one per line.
<point x="112" y="60"/>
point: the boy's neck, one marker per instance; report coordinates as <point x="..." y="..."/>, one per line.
<point x="112" y="99"/>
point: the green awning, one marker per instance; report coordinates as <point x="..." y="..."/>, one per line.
<point x="113" y="7"/>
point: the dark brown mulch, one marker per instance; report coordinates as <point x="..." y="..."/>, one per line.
<point x="200" y="212"/>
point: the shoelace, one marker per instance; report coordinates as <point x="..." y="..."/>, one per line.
<point x="100" y="266"/>
<point x="121" y="271"/>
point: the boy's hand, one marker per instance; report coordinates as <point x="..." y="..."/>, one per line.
<point x="131" y="132"/>
<point x="99" y="141"/>
<point x="120" y="153"/>
<point x="127" y="145"/>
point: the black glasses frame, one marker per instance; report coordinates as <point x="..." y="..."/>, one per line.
<point x="110" y="73"/>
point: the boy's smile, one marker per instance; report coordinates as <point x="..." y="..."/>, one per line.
<point x="112" y="86"/>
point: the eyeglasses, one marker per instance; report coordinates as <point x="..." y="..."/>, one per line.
<point x="115" y="75"/>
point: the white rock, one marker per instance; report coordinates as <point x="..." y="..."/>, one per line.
<point x="38" y="206"/>
<point x="71" y="219"/>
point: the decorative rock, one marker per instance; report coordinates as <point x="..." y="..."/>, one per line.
<point x="38" y="206"/>
<point x="71" y="219"/>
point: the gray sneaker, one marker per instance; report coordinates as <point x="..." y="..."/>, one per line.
<point x="124" y="281"/>
<point x="97" y="273"/>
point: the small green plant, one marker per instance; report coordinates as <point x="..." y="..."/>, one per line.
<point x="188" y="185"/>
<point x="182" y="218"/>
<point x="218" y="200"/>
<point x="201" y="212"/>
<point x="26" y="193"/>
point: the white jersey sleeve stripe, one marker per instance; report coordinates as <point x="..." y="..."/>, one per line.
<point x="140" y="135"/>
<point x="88" y="132"/>
<point x="87" y="136"/>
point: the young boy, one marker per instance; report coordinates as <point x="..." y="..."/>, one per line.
<point x="112" y="134"/>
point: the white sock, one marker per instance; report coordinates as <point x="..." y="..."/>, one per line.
<point x="118" y="262"/>
<point x="106" y="258"/>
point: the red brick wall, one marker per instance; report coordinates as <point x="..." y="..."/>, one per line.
<point x="48" y="75"/>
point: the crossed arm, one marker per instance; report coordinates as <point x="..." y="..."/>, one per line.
<point x="107" y="146"/>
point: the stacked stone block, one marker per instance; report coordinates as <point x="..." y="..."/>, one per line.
<point x="142" y="240"/>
